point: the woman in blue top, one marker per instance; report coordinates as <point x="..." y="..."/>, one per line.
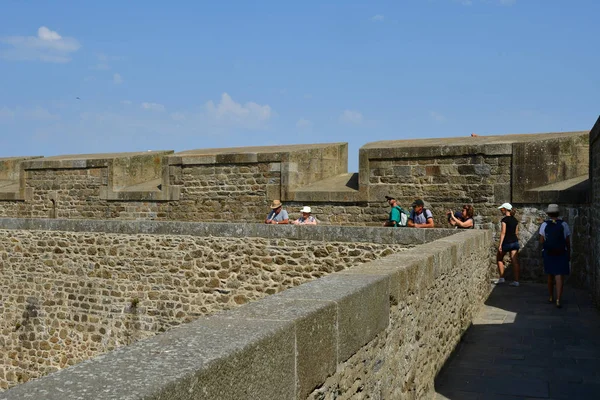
<point x="509" y="243"/>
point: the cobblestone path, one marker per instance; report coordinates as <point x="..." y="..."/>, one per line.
<point x="520" y="346"/>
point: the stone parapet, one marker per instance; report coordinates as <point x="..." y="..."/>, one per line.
<point x="405" y="236"/>
<point x="12" y="179"/>
<point x="595" y="210"/>
<point x="299" y="165"/>
<point x="388" y="325"/>
<point x="124" y="176"/>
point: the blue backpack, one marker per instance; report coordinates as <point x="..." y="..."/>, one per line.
<point x="554" y="241"/>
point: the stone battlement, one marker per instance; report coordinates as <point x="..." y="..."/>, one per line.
<point x="396" y="291"/>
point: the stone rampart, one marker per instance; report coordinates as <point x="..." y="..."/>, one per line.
<point x="384" y="327"/>
<point x="237" y="184"/>
<point x="74" y="289"/>
<point x="594" y="248"/>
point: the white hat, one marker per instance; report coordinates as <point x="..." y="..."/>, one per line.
<point x="506" y="206"/>
<point x="306" y="209"/>
<point x="552" y="208"/>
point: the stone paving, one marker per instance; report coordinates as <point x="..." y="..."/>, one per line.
<point x="520" y="346"/>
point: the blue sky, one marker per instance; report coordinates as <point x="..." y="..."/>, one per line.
<point x="193" y="74"/>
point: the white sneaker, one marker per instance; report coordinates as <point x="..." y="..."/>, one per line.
<point x="514" y="283"/>
<point x="498" y="281"/>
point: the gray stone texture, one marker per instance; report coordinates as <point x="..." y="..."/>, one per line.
<point x="435" y="304"/>
<point x="342" y="326"/>
<point x="594" y="248"/>
<point x="68" y="295"/>
<point x="520" y="346"/>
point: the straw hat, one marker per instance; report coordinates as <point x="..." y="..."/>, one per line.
<point x="276" y="204"/>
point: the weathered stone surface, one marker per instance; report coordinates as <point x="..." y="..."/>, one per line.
<point x="425" y="324"/>
<point x="594" y="218"/>
<point x="209" y="358"/>
<point x="266" y="349"/>
<point x="70" y="295"/>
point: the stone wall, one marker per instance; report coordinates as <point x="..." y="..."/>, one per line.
<point x="69" y="295"/>
<point x="237" y="185"/>
<point x="426" y="322"/>
<point x="594" y="249"/>
<point x="231" y="192"/>
<point x="384" y="328"/>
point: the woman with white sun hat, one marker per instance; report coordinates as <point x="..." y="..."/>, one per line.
<point x="306" y="218"/>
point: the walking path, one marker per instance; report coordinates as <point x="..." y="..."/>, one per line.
<point x="522" y="347"/>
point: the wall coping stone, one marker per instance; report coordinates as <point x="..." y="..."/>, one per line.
<point x="264" y="349"/>
<point x="243" y="155"/>
<point x="595" y="132"/>
<point x="325" y="233"/>
<point x="454" y="146"/>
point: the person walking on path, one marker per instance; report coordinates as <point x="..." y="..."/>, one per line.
<point x="555" y="238"/>
<point x="509" y="243"/>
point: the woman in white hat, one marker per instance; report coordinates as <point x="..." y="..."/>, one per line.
<point x="509" y="243"/>
<point x="306" y="218"/>
<point x="555" y="238"/>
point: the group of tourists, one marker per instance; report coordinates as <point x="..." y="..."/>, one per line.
<point x="421" y="217"/>
<point x="278" y="215"/>
<point x="554" y="236"/>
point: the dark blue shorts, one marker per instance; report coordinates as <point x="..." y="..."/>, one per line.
<point x="506" y="247"/>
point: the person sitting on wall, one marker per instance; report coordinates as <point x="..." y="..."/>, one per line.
<point x="397" y="217"/>
<point x="420" y="217"/>
<point x="306" y="218"/>
<point x="277" y="215"/>
<point x="464" y="219"/>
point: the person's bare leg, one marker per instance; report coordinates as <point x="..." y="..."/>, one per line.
<point x="514" y="256"/>
<point x="551" y="287"/>
<point x="500" y="261"/>
<point x="559" y="289"/>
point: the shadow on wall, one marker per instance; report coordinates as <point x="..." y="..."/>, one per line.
<point x="521" y="345"/>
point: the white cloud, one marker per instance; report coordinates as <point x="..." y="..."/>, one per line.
<point x="46" y="34"/>
<point x="117" y="79"/>
<point x="126" y="102"/>
<point x="47" y="46"/>
<point x="249" y="115"/>
<point x="6" y="113"/>
<point x="39" y="113"/>
<point x="377" y="18"/>
<point x="351" y="117"/>
<point x="304" y="124"/>
<point x="35" y="114"/>
<point x="153" y="107"/>
<point x="178" y="116"/>
<point x="507" y="2"/>
<point x="437" y="116"/>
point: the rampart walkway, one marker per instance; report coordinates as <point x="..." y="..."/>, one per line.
<point x="522" y="347"/>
